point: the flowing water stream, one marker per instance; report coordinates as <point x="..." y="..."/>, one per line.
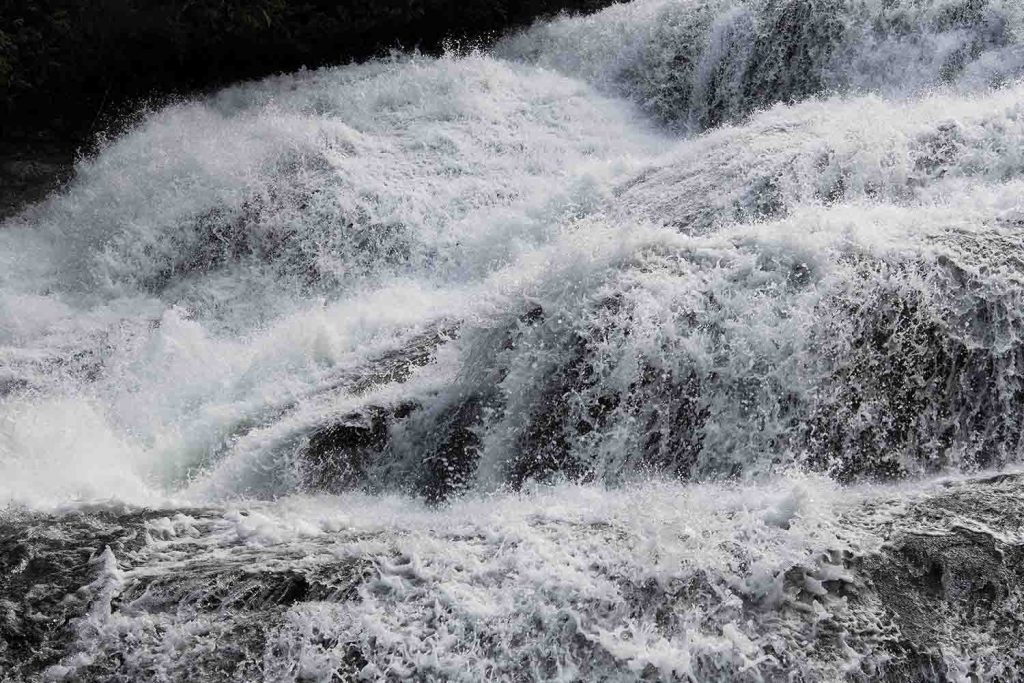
<point x="660" y="344"/>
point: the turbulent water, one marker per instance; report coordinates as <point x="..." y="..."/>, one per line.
<point x="631" y="347"/>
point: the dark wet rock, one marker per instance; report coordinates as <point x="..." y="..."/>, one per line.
<point x="428" y="448"/>
<point x="942" y="590"/>
<point x="566" y="409"/>
<point x="957" y="584"/>
<point x="11" y="385"/>
<point x="43" y="563"/>
<point x="449" y="465"/>
<point x="48" y="562"/>
<point x="789" y="57"/>
<point x="674" y="428"/>
<point x="398" y="365"/>
<point x="342" y="455"/>
<point x="543" y="448"/>
<point x="904" y="366"/>
<point x="223" y="587"/>
<point x="712" y="64"/>
<point x="232" y="652"/>
<point x="722" y="67"/>
<point x="942" y="587"/>
<point x="914" y="362"/>
<point x="347" y="453"/>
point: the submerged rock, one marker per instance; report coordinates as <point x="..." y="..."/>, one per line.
<point x="876" y="586"/>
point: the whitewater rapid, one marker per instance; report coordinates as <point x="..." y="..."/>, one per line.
<point x="765" y="247"/>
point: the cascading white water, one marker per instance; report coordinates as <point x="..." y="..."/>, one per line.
<point x="525" y="277"/>
<point x="231" y="257"/>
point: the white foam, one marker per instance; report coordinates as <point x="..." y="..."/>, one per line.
<point x="178" y="318"/>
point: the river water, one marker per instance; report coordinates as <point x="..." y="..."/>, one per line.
<point x="620" y="349"/>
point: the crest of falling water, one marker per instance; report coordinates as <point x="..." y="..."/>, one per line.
<point x="670" y="308"/>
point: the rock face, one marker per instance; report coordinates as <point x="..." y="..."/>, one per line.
<point x="43" y="568"/>
<point x="478" y="367"/>
<point x="921" y="588"/>
<point x="951" y="578"/>
<point x="698" y="65"/>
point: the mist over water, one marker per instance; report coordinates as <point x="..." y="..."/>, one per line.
<point x="670" y="298"/>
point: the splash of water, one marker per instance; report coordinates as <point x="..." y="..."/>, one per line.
<point x="524" y="269"/>
<point x="827" y="283"/>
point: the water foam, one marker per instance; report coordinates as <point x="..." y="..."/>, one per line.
<point x="699" y="63"/>
<point x="223" y="296"/>
<point x="473" y="367"/>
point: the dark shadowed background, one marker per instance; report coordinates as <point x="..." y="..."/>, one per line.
<point x="67" y="65"/>
<point x="72" y="68"/>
